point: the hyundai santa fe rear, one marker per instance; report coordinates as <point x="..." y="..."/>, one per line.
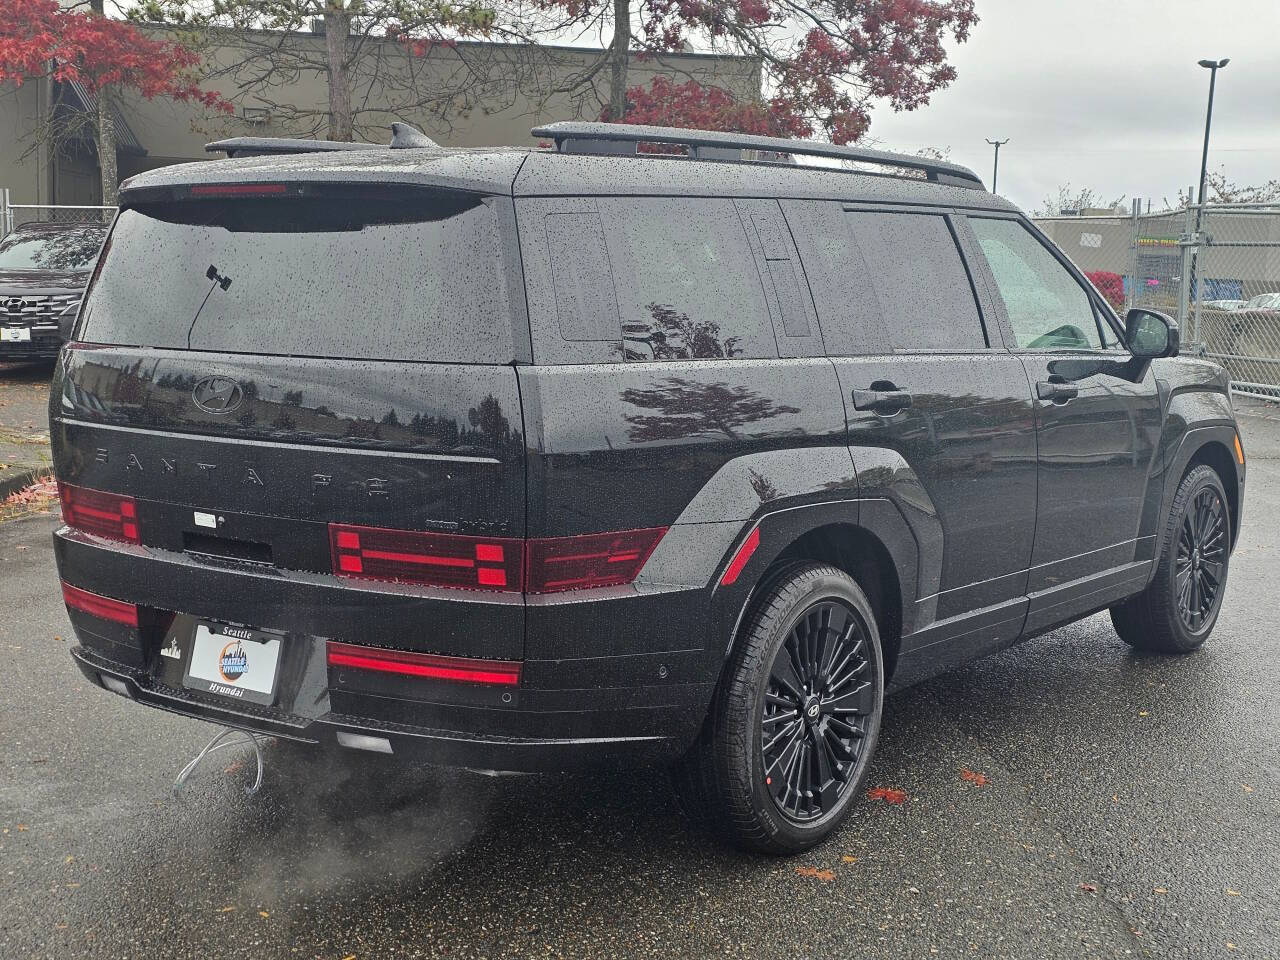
<point x="522" y="459"/>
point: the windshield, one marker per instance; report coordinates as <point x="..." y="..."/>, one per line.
<point x="70" y="251"/>
<point x="1262" y="300"/>
<point x="389" y="278"/>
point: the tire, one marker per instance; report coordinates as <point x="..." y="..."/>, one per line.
<point x="812" y="630"/>
<point x="1173" y="614"/>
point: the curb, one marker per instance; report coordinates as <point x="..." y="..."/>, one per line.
<point x="24" y="478"/>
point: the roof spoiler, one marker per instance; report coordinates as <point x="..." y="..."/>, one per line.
<point x="403" y="136"/>
<point x="622" y="138"/>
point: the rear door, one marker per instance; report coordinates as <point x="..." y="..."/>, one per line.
<point x="938" y="412"/>
<point x="254" y="368"/>
<point x="1097" y="422"/>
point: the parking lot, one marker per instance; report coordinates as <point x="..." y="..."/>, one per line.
<point x="1066" y="798"/>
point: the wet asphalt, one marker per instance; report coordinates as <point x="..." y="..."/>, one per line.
<point x="1131" y="807"/>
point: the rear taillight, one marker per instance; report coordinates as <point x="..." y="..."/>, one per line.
<point x="105" y="514"/>
<point x="431" y="559"/>
<point x="460" y="669"/>
<point x="590" y="560"/>
<point x="548" y="565"/>
<point x="102" y="607"/>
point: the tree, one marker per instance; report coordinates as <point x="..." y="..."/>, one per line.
<point x="1221" y="190"/>
<point x="1071" y="199"/>
<point x="265" y="43"/>
<point x="1110" y="285"/>
<point x="38" y="38"/>
<point x="824" y="62"/>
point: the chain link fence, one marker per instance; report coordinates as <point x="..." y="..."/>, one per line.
<point x="13" y="215"/>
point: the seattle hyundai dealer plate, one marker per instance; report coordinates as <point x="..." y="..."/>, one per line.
<point x="234" y="662"/>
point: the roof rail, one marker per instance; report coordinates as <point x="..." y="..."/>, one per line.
<point x="622" y="138"/>
<point x="272" y="146"/>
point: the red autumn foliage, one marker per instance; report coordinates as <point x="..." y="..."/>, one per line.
<point x="823" y="62"/>
<point x="1110" y="285"/>
<point x="665" y="103"/>
<point x="977" y="779"/>
<point x="39" y="37"/>
<point x="888" y="795"/>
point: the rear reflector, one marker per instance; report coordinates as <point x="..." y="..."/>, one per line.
<point x="460" y="669"/>
<point x="590" y="560"/>
<point x="432" y="559"/>
<point x="104" y="608"/>
<point x="105" y="514"/>
<point x="740" y="558"/>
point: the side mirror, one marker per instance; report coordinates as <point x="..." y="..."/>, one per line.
<point x="1151" y="335"/>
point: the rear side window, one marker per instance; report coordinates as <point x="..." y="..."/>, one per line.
<point x="1047" y="308"/>
<point x="919" y="281"/>
<point x="687" y="284"/>
<point x="414" y="276"/>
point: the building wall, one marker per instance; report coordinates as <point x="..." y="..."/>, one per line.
<point x="27" y="177"/>
<point x="501" y="113"/>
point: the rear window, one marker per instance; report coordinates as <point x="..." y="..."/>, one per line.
<point x="417" y="277"/>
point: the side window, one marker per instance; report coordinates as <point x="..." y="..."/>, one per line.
<point x="1047" y="308"/>
<point x="687" y="285"/>
<point x="846" y="304"/>
<point x="919" y="281"/>
<point x="585" y="304"/>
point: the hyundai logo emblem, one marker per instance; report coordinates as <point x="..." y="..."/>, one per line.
<point x="217" y="395"/>
<point x="15" y="304"/>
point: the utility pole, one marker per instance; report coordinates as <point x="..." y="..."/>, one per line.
<point x="995" y="170"/>
<point x="1213" y="66"/>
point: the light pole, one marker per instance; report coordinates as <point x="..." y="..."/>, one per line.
<point x="1213" y="66"/>
<point x="995" y="170"/>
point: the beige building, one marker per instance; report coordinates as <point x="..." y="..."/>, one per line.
<point x="470" y="94"/>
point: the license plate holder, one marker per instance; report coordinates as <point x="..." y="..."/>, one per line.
<point x="15" y="334"/>
<point x="237" y="663"/>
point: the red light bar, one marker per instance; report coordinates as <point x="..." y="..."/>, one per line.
<point x="432" y="559"/>
<point x="740" y="558"/>
<point x="239" y="189"/>
<point x="591" y="560"/>
<point x="460" y="669"/>
<point x="111" y="515"/>
<point x="102" y="607"/>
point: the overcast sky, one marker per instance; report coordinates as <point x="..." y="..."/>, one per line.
<point x="1106" y="94"/>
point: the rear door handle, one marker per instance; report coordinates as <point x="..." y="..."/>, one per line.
<point x="1056" y="392"/>
<point x="884" y="398"/>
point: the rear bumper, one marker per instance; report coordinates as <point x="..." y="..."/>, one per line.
<point x="564" y="714"/>
<point x="423" y="744"/>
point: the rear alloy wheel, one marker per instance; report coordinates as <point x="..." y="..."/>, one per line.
<point x="797" y="717"/>
<point x="1177" y="611"/>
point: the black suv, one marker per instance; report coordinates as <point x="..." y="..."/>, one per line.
<point x="522" y="458"/>
<point x="43" y="270"/>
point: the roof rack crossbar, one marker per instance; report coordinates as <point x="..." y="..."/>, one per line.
<point x="273" y="146"/>
<point x="622" y="138"/>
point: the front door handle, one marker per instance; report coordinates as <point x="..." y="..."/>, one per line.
<point x="1057" y="392"/>
<point x="883" y="398"/>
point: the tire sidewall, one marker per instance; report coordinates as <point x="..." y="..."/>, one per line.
<point x="829" y="585"/>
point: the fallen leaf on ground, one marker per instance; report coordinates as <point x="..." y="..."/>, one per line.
<point x="977" y="779"/>
<point x="1247" y="788"/>
<point x="22" y="828"/>
<point x="1144" y="713"/>
<point x="887" y="794"/>
<point x="1162" y="889"/>
<point x="227" y="910"/>
<point x="848" y="859"/>
<point x="824" y="875"/>
<point x="1232" y="893"/>
<point x="263" y="914"/>
<point x="1089" y="887"/>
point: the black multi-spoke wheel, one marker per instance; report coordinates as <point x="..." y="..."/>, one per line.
<point x="796" y="718"/>
<point x="820" y="696"/>
<point x="1176" y="613"/>
<point x="1201" y="558"/>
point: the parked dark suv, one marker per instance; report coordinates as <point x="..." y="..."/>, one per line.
<point x="43" y="271"/>
<point x="518" y="459"/>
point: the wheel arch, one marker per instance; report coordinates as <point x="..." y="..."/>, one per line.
<point x="1214" y="454"/>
